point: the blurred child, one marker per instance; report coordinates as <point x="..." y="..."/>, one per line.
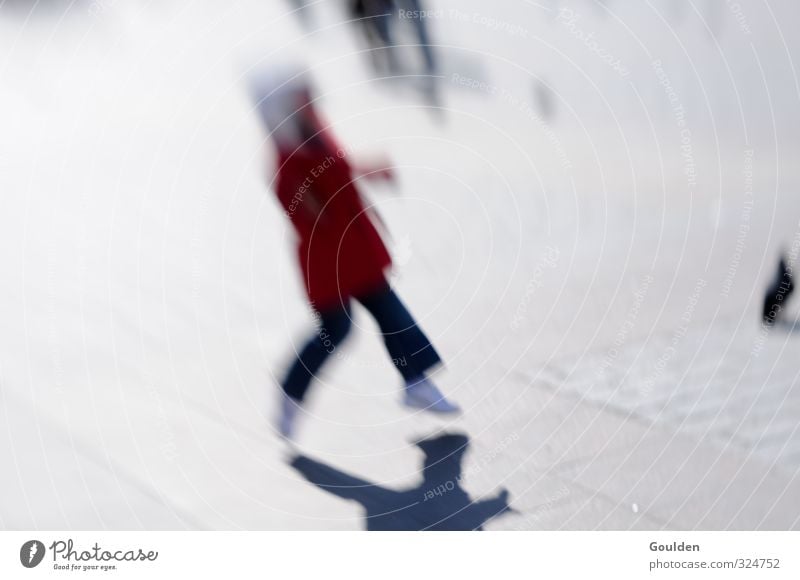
<point x="342" y="257"/>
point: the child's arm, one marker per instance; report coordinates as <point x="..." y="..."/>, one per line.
<point x="379" y="167"/>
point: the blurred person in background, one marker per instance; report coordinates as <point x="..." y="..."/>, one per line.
<point x="415" y="11"/>
<point x="378" y="19"/>
<point x="342" y="257"/>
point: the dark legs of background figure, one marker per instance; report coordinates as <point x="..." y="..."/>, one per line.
<point x="375" y="18"/>
<point x="428" y="81"/>
<point x="421" y="28"/>
<point x="410" y="350"/>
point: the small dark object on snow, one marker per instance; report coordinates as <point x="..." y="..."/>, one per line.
<point x="778" y="292"/>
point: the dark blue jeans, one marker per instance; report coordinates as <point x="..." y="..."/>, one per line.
<point x="410" y="350"/>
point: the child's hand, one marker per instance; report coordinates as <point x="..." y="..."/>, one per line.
<point x="380" y="168"/>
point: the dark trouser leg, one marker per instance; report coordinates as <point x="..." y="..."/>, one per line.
<point x="380" y="18"/>
<point x="411" y="351"/>
<point x="421" y="28"/>
<point x="333" y="329"/>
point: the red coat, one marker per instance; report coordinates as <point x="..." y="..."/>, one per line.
<point x="341" y="253"/>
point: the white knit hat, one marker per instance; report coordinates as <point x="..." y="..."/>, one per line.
<point x="275" y="92"/>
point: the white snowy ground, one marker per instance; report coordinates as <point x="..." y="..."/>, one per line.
<point x="593" y="279"/>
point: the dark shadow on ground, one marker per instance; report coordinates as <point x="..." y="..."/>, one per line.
<point x="438" y="503"/>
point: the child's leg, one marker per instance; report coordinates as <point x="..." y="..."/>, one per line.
<point x="334" y="327"/>
<point x="411" y="351"/>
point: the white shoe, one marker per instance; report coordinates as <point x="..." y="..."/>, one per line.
<point x="289" y="408"/>
<point x="423" y="394"/>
